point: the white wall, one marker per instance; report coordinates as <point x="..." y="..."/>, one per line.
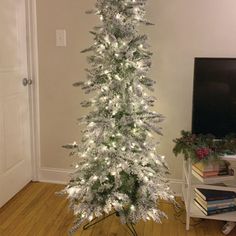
<point x="184" y="29"/>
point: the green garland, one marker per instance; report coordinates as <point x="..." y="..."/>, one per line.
<point x="204" y="147"/>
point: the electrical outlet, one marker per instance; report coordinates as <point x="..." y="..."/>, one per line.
<point x="61" y="38"/>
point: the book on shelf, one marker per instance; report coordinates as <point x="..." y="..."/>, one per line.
<point x="214" y="211"/>
<point x="205" y="174"/>
<point x="229" y="172"/>
<point x="221" y="204"/>
<point x="213" y="179"/>
<point x="209" y="170"/>
<point x="207" y="166"/>
<point x="213" y="194"/>
<point x="215" y="202"/>
<point x="212" y="166"/>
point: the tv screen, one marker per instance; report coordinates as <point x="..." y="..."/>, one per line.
<point x="214" y="96"/>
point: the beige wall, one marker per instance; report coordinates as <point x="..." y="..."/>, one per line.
<point x="59" y="68"/>
<point x="184" y="29"/>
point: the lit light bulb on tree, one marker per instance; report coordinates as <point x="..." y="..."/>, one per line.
<point x="136" y="9"/>
<point x="132" y="208"/>
<point x="139" y="64"/>
<point x="118" y="16"/>
<point x="107" y="39"/>
<point x="91" y="124"/>
<point x="95" y="178"/>
<point x="141" y="46"/>
<point x="84" y="154"/>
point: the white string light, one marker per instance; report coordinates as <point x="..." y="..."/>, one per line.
<point x="117" y="151"/>
<point x="95" y="178"/>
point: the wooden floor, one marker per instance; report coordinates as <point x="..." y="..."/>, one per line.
<point x="36" y="210"/>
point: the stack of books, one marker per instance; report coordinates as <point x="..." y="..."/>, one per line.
<point x="212" y="202"/>
<point x="205" y="171"/>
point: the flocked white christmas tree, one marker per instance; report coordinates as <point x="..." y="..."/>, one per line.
<point x="118" y="167"/>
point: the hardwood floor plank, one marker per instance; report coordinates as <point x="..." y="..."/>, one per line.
<point x="15" y="205"/>
<point x="38" y="211"/>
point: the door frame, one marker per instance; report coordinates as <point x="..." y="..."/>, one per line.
<point x="32" y="55"/>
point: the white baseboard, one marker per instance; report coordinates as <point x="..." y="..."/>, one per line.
<point x="54" y="175"/>
<point x="61" y="176"/>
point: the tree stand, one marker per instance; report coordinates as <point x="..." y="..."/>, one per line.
<point x="95" y="221"/>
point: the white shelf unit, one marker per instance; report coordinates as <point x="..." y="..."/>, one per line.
<point x="190" y="182"/>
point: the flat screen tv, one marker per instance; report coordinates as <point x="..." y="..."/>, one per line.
<point x="214" y="96"/>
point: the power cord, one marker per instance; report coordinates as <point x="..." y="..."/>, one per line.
<point x="180" y="212"/>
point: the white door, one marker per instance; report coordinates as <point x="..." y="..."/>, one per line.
<point x="15" y="146"/>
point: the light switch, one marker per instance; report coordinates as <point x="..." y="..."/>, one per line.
<point x="61" y="38"/>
